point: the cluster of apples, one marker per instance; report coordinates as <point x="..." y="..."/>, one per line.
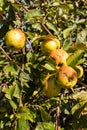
<point x="66" y="76"/>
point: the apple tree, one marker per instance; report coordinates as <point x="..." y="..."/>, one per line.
<point x="43" y="83"/>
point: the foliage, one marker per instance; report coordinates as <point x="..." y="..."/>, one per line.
<point x="23" y="105"/>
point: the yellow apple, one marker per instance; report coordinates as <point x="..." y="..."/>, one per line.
<point x="51" y="88"/>
<point x="15" y="38"/>
<point x="66" y="76"/>
<point x="49" y="44"/>
<point x="59" y="56"/>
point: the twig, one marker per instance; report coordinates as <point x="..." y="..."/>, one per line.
<point x="5" y="53"/>
<point x="82" y="84"/>
<point x="21" y="78"/>
<point x="47" y="29"/>
<point x="57" y="123"/>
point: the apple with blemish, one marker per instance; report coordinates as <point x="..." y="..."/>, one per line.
<point x="59" y="56"/>
<point x="67" y="77"/>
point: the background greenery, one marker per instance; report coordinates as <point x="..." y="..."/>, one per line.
<point x="23" y="105"/>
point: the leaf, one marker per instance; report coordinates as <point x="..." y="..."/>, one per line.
<point x="33" y="13"/>
<point x="44" y="115"/>
<point x="48" y="126"/>
<point x="9" y="92"/>
<point x="74" y="58"/>
<point x="49" y="66"/>
<point x="67" y="31"/>
<point x="82" y="36"/>
<point x="37" y="26"/>
<point x="16" y="90"/>
<point x="45" y="126"/>
<point x="22" y="124"/>
<point x="27" y="114"/>
<point x="10" y="70"/>
<point x="82" y="95"/>
<point x="51" y="26"/>
<point x="78" y="108"/>
<point x="13" y="104"/>
<point x="79" y="46"/>
<point x="2" y="3"/>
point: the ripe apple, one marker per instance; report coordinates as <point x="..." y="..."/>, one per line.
<point x="66" y="76"/>
<point x="51" y="88"/>
<point x="15" y="38"/>
<point x="59" y="56"/>
<point x="79" y="70"/>
<point x="49" y="44"/>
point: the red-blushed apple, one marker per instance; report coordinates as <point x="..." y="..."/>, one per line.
<point x="50" y="86"/>
<point x="66" y="76"/>
<point x="59" y="56"/>
<point x="15" y="38"/>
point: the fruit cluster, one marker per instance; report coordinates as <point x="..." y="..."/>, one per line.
<point x="66" y="76"/>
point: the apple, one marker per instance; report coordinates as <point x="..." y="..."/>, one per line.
<point x="59" y="56"/>
<point x="66" y="76"/>
<point x="15" y="38"/>
<point x="51" y="88"/>
<point x="49" y="44"/>
<point x="79" y="70"/>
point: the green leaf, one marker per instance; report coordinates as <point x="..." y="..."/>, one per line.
<point x="27" y="114"/>
<point x="9" y="71"/>
<point x="78" y="108"/>
<point x="74" y="58"/>
<point x="82" y="95"/>
<point x="9" y="92"/>
<point x="22" y="124"/>
<point x="51" y="26"/>
<point x="48" y="126"/>
<point x="67" y="31"/>
<point x="44" y="115"/>
<point x="16" y="90"/>
<point x="33" y="13"/>
<point x="82" y="36"/>
<point x="37" y="26"/>
<point x="13" y="104"/>
<point x="45" y="126"/>
<point x="49" y="66"/>
<point x="79" y="46"/>
<point x="2" y="3"/>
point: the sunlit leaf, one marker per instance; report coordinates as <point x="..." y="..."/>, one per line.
<point x="52" y="27"/>
<point x="27" y="114"/>
<point x="33" y="13"/>
<point x="74" y="58"/>
<point x="82" y="36"/>
<point x="45" y="126"/>
<point x="13" y="104"/>
<point x="10" y="70"/>
<point x="82" y="95"/>
<point x="67" y="31"/>
<point x="22" y="124"/>
<point x="16" y="90"/>
<point x="37" y="26"/>
<point x="49" y="66"/>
